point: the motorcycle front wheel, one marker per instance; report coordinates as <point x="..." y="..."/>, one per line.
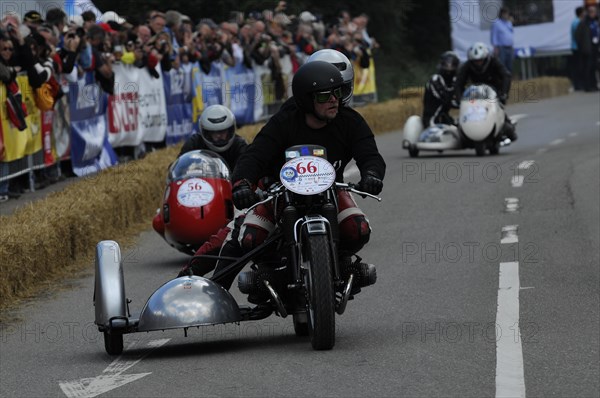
<point x="320" y="295"/>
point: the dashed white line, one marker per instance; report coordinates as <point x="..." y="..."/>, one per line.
<point x="511" y="205"/>
<point x="517" y="181"/>
<point x="510" y="374"/>
<point x="524" y="165"/>
<point x="557" y="141"/>
<point x="509" y="234"/>
<point x="573" y="134"/>
<point x="542" y="150"/>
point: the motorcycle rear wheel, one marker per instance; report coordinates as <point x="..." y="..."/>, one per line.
<point x="318" y="283"/>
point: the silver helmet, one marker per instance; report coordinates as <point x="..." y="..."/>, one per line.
<point x="344" y="65"/>
<point x="479" y="57"/>
<point x="217" y="127"/>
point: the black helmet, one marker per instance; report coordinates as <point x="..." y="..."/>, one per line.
<point x="313" y="77"/>
<point x="342" y="62"/>
<point x="448" y="64"/>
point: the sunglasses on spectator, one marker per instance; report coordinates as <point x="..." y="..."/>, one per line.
<point x="8" y="49"/>
<point x="323" y="96"/>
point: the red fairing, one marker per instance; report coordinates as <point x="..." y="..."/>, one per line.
<point x="198" y="208"/>
<point x="158" y="224"/>
<point x="197" y="201"/>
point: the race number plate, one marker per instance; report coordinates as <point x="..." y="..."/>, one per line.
<point x="475" y="113"/>
<point x="307" y="175"/>
<point x="195" y="192"/>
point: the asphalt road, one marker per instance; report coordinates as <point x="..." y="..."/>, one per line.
<point x="488" y="286"/>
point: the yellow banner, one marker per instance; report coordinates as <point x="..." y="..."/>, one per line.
<point x="18" y="144"/>
<point x="197" y="101"/>
<point x="364" y="79"/>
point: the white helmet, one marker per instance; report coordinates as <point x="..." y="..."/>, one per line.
<point x="341" y="62"/>
<point x="217" y="127"/>
<point x="479" y="55"/>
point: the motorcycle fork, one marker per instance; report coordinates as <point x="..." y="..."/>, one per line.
<point x="289" y="217"/>
<point x="329" y="211"/>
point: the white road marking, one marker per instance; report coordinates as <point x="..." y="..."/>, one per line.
<point x="527" y="287"/>
<point x="542" y="150"/>
<point x="558" y="141"/>
<point x="517" y="181"/>
<point x="351" y="172"/>
<point x="512" y="205"/>
<point x="517" y="117"/>
<point x="510" y="375"/>
<point x="573" y="134"/>
<point x="111" y="377"/>
<point x="509" y="234"/>
<point x="524" y="165"/>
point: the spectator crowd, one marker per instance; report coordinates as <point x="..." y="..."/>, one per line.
<point x="47" y="48"/>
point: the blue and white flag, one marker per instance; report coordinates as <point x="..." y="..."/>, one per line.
<point x="179" y="111"/>
<point x="90" y="149"/>
<point x="241" y="93"/>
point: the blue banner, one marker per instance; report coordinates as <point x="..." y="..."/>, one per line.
<point x="212" y="85"/>
<point x="241" y="93"/>
<point x="90" y="149"/>
<point x="179" y="109"/>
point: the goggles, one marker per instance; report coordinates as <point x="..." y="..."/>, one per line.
<point x="323" y="96"/>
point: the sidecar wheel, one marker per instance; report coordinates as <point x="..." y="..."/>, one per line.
<point x="494" y="148"/>
<point x="413" y="151"/>
<point x="300" y="325"/>
<point x="480" y="149"/>
<point x="317" y="264"/>
<point x="113" y="343"/>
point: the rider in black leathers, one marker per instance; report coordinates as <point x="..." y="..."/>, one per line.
<point x="482" y="68"/>
<point x="340" y="129"/>
<point x="439" y="92"/>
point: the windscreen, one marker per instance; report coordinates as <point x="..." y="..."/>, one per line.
<point x="199" y="163"/>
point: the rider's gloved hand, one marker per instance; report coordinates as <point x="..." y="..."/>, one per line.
<point x="243" y="195"/>
<point x="454" y="103"/>
<point x="370" y="183"/>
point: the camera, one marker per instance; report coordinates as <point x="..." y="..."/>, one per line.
<point x="163" y="45"/>
<point x="10" y="28"/>
<point x="70" y="35"/>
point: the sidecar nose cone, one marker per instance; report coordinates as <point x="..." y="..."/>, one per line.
<point x="188" y="301"/>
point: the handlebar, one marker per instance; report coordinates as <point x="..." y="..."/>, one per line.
<point x="278" y="189"/>
<point x="354" y="188"/>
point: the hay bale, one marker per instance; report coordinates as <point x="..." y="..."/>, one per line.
<point x="48" y="239"/>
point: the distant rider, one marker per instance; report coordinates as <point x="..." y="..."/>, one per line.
<point x="218" y="134"/>
<point x="439" y="91"/>
<point x="482" y="68"/>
